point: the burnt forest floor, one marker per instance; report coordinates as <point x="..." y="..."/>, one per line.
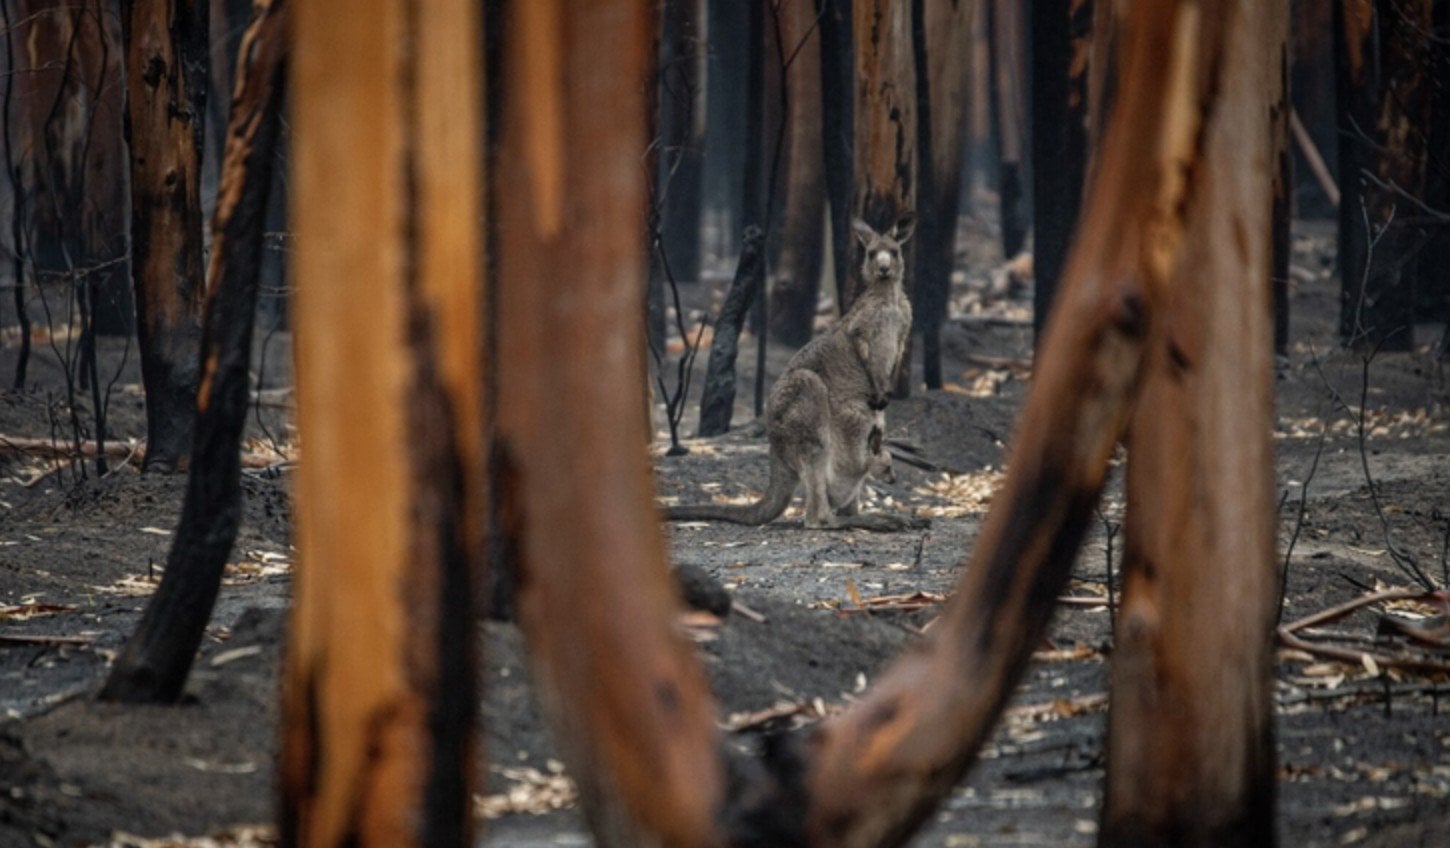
<point x="1364" y="750"/>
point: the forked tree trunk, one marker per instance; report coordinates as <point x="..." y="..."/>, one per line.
<point x="154" y="665"/>
<point x="378" y="702"/>
<point x="1125" y="316"/>
<point x="1006" y="31"/>
<point x="803" y="202"/>
<point x="1190" y="744"/>
<point x="1167" y="282"/>
<point x="941" y="37"/>
<point x="1061" y="52"/>
<point x="628" y="704"/>
<point x="885" y="145"/>
<point x="1384" y="95"/>
<point x="166" y="58"/>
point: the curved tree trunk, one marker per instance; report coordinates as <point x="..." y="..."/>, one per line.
<point x="166" y="58"/>
<point x="154" y="665"/>
<point x="379" y="702"/>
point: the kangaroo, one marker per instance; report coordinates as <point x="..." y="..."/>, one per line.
<point x="825" y="417"/>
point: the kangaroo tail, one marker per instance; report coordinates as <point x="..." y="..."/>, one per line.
<point x="777" y="497"/>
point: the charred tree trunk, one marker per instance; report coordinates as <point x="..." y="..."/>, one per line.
<point x="1435" y="261"/>
<point x="1061" y="52"/>
<point x="1008" y="41"/>
<point x="682" y="133"/>
<point x="70" y="105"/>
<point x="727" y="99"/>
<point x="1282" y="211"/>
<point x="636" y="726"/>
<point x="166" y="55"/>
<point x="1312" y="92"/>
<point x="11" y="163"/>
<point x="1384" y="96"/>
<point x="717" y="397"/>
<point x="154" y="665"/>
<point x="941" y="35"/>
<point x="798" y="271"/>
<point x="885" y="135"/>
<point x="838" y="86"/>
<point x="379" y="702"/>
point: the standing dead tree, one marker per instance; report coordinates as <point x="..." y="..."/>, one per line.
<point x="156" y="660"/>
<point x="796" y="280"/>
<point x="166" y="59"/>
<point x="1061" y="54"/>
<point x="1382" y="53"/>
<point x="378" y="701"/>
<point x="1007" y="37"/>
<point x="941" y="37"/>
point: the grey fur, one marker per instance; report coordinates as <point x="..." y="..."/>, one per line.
<point x="825" y="416"/>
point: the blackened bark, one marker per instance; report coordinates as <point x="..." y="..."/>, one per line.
<point x="1434" y="276"/>
<point x="12" y="173"/>
<point x="1381" y="53"/>
<point x="154" y="665"/>
<point x="727" y="98"/>
<point x="717" y="400"/>
<point x="1007" y="43"/>
<point x="682" y="134"/>
<point x="1061" y="34"/>
<point x="166" y="46"/>
<point x="941" y="35"/>
<point x="837" y="100"/>
<point x="1283" y="208"/>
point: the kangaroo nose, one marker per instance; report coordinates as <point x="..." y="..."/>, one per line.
<point x="882" y="260"/>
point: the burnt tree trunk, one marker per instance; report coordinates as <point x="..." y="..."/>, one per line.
<point x="1282" y="211"/>
<point x="70" y="103"/>
<point x="632" y="714"/>
<point x="1435" y="261"/>
<point x="884" y="141"/>
<point x="379" y="702"/>
<point x="11" y="164"/>
<point x="1384" y="95"/>
<point x="941" y="38"/>
<point x="682" y="133"/>
<point x="797" y="273"/>
<point x="1007" y="38"/>
<point x="166" y="57"/>
<point x="838" y="88"/>
<point x="1061" y="51"/>
<point x="156" y="660"/>
<point x="717" y="396"/>
<point x="1312" y="92"/>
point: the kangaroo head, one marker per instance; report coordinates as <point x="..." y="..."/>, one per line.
<point x="882" y="251"/>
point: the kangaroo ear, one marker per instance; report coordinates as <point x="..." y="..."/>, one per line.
<point x="863" y="231"/>
<point x="905" y="225"/>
